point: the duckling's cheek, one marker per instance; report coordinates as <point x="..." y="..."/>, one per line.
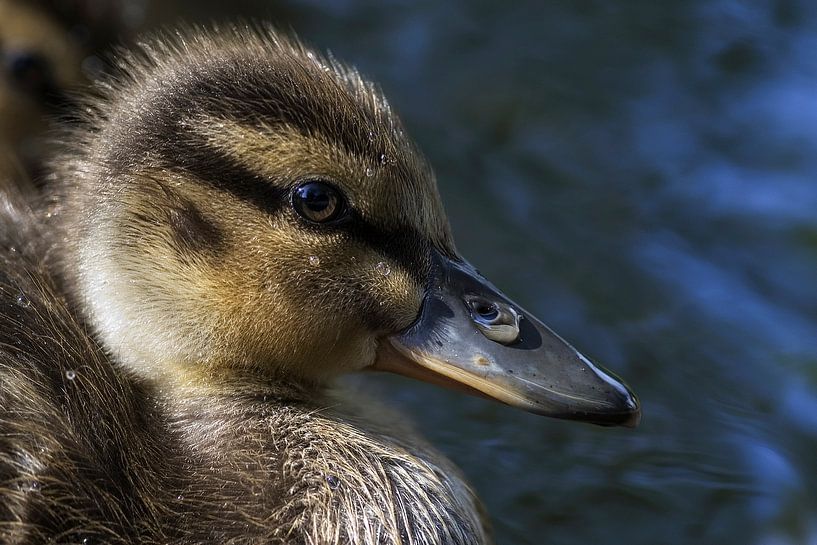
<point x="398" y="296"/>
<point x="339" y="277"/>
<point x="193" y="233"/>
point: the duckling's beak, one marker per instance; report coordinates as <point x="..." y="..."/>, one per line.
<point x="472" y="337"/>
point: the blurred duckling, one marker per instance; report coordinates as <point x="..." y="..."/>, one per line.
<point x="238" y="222"/>
<point x="39" y="60"/>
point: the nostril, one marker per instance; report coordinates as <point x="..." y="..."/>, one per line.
<point x="487" y="311"/>
<point x="498" y="321"/>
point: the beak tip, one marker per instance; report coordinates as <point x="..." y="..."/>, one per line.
<point x="624" y="411"/>
<point x="627" y="419"/>
<point x="630" y="417"/>
<point x="633" y="419"/>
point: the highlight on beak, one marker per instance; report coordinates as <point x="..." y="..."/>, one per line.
<point x="471" y="337"/>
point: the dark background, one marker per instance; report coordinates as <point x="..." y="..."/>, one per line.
<point x="641" y="176"/>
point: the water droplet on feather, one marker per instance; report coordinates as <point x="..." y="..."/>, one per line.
<point x="332" y="481"/>
<point x="383" y="268"/>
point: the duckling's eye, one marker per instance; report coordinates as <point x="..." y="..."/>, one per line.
<point x="29" y="71"/>
<point x="318" y="202"/>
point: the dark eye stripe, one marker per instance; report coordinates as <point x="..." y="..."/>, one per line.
<point x="223" y="173"/>
<point x="405" y="247"/>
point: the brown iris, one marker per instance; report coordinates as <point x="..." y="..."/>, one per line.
<point x="318" y="202"/>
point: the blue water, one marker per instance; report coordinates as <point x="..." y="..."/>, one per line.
<point x="643" y="176"/>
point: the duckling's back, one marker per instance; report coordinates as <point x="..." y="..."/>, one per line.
<point x="81" y="457"/>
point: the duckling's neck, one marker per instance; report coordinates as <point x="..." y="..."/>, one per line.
<point x="310" y="460"/>
<point x="217" y="418"/>
<point x="217" y="381"/>
<point x="233" y="384"/>
<point x="228" y="401"/>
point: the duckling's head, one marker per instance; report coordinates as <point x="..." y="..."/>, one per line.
<point x="242" y="207"/>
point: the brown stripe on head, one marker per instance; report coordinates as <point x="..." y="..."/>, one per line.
<point x="192" y="231"/>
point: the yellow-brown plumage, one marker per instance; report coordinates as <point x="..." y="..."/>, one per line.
<point x="227" y="338"/>
<point x="250" y="293"/>
<point x="174" y="315"/>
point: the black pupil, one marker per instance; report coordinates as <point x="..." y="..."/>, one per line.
<point x="317" y="201"/>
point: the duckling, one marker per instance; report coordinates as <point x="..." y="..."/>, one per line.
<point x="238" y="222"/>
<point x="39" y="60"/>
